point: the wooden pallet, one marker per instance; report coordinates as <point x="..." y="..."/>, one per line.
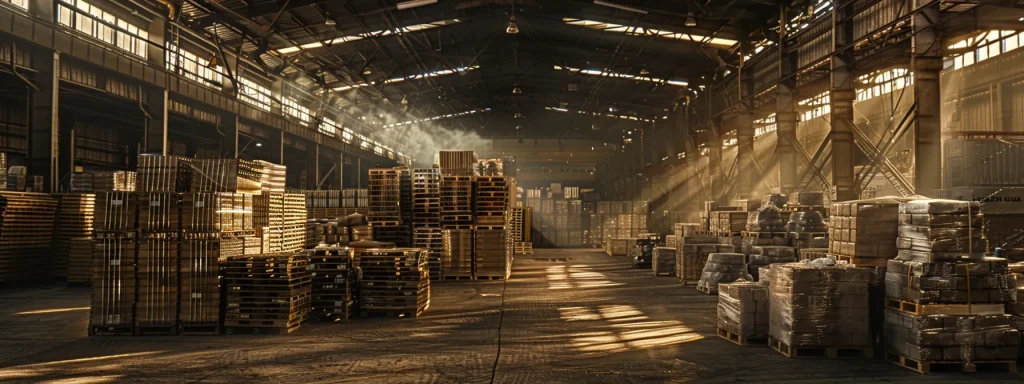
<point x="925" y="367"/>
<point x="456" y="278"/>
<point x="501" y="277"/>
<point x="156" y="330"/>
<point x="826" y="352"/>
<point x="112" y="330"/>
<point x="706" y="290"/>
<point x="239" y="330"/>
<point x="764" y="235"/>
<point x="740" y="340"/>
<point x="199" y="329"/>
<point x="944" y="309"/>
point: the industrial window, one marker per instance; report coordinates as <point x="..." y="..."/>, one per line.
<point x="255" y="94"/>
<point x="378" y="149"/>
<point x="23" y="4"/>
<point x="880" y="83"/>
<point x="346" y="136"/>
<point x="816" y="106"/>
<point x="193" y="67"/>
<point x="764" y="126"/>
<point x="92" y="21"/>
<point x="983" y="47"/>
<point x="328" y="127"/>
<point x="293" y="109"/>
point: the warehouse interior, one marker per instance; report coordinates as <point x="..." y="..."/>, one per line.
<point x="511" y="191"/>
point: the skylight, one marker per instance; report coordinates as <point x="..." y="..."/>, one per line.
<point x="640" y="31"/>
<point x="440" y="117"/>
<point x="361" y="36"/>
<point x="606" y="73"/>
<point x="442" y="72"/>
<point x="612" y="115"/>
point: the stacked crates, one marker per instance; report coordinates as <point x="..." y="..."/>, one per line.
<point x="113" y="272"/>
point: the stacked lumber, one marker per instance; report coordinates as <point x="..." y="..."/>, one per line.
<point x="269" y="293"/>
<point x="74" y="222"/>
<point x="333" y="282"/>
<point x="394" y="282"/>
<point x="112" y="309"/>
<point x="200" y="301"/>
<point x="492" y="256"/>
<point x="26" y="235"/>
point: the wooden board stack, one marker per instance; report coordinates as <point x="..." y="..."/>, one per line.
<point x="226" y="175"/>
<point x="431" y="239"/>
<point x="156" y="307"/>
<point x="113" y="181"/>
<point x="457" y="257"/>
<point x="333" y="282"/>
<point x="267" y="293"/>
<point x="395" y="282"/>
<point x="385" y="195"/>
<point x="164" y="173"/>
<point x="26" y="230"/>
<point x="74" y="222"/>
<point x="272" y="176"/>
<point x="280" y="218"/>
<point x="113" y="284"/>
<point x="201" y="297"/>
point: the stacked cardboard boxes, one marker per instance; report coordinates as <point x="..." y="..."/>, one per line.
<point x="743" y="312"/>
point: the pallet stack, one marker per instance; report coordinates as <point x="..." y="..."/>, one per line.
<point x="110" y="181"/>
<point x="386" y="206"/>
<point x="333" y="283"/>
<point x="157" y="263"/>
<point x="280" y="220"/>
<point x="405" y="195"/>
<point x="73" y="229"/>
<point x="743" y="312"/>
<point x="114" y="256"/>
<point x="269" y="293"/>
<point x="457" y="163"/>
<point x="457" y="256"/>
<point x="395" y="282"/>
<point x="492" y="256"/>
<point x="432" y="240"/>
<point x="692" y="256"/>
<point x="26" y="230"/>
<point x="164" y="173"/>
<point x="941" y="278"/>
<point x="272" y="176"/>
<point x="226" y="175"/>
<point x="491" y="200"/>
<point x="456" y="202"/>
<point x="426" y="198"/>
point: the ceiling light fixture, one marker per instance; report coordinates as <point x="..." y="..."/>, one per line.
<point x="328" y="21"/>
<point x="644" y="71"/>
<point x="516" y="90"/>
<point x="512" y="28"/>
<point x="690" y="20"/>
<point x="405" y="101"/>
<point x="620" y="6"/>
<point x="413" y="4"/>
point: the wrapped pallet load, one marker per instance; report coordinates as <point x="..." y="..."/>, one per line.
<point x="762" y="256"/>
<point x="819" y="308"/>
<point x="743" y="312"/>
<point x="722" y="268"/>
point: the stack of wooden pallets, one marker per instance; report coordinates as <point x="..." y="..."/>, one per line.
<point x="115" y="247"/>
<point x="268" y="293"/>
<point x="164" y="173"/>
<point x="280" y="219"/>
<point x="457" y="163"/>
<point x="492" y="256"/>
<point x="74" y="222"/>
<point x="491" y="202"/>
<point x="226" y="175"/>
<point x="394" y="282"/>
<point x="200" y="301"/>
<point x="431" y="239"/>
<point x="334" y="282"/>
<point x="111" y="181"/>
<point x="26" y="230"/>
<point x="385" y="195"/>
<point x="426" y="198"/>
<point x="456" y="202"/>
<point x="457" y="254"/>
<point x="272" y="176"/>
<point x="156" y="308"/>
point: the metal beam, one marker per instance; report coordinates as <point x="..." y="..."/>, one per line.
<point x="841" y="97"/>
<point x="926" y="63"/>
<point x="44" y="127"/>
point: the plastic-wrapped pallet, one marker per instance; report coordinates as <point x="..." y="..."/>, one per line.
<point x="768" y="218"/>
<point x="743" y="309"/>
<point x="940" y="230"/>
<point x="664" y="261"/>
<point x="775" y="199"/>
<point x="722" y="268"/>
<point x="809" y="221"/>
<point x="765" y="275"/>
<point x="985" y="281"/>
<point x="962" y="338"/>
<point x="693" y="255"/>
<point x="767" y="255"/>
<point x="864" y="231"/>
<point x="819" y="306"/>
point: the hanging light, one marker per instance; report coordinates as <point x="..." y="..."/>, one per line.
<point x="328" y="21"/>
<point x="516" y="90"/>
<point x="405" y="101"/>
<point x="214" y="61"/>
<point x="512" y="28"/>
<point x="644" y="71"/>
<point x="690" y="20"/>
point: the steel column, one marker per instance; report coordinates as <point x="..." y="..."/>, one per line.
<point x="841" y="99"/>
<point x="156" y="122"/>
<point x="786" y="117"/>
<point x="44" y="125"/>
<point x="746" y="173"/>
<point x="926" y="63"/>
<point x="229" y="137"/>
<point x="715" y="173"/>
<point x="313" y="167"/>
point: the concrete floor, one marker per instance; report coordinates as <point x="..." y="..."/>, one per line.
<point x="571" y="316"/>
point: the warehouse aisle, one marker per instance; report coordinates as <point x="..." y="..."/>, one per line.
<point x="571" y="316"/>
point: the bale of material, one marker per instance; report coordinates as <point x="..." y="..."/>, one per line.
<point x="722" y="268"/>
<point x="965" y="338"/>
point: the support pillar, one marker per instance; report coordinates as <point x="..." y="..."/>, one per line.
<point x="841" y="98"/>
<point x="359" y="172"/>
<point x="313" y="168"/>
<point x="926" y="63"/>
<point x="785" y="123"/>
<point x="44" y="126"/>
<point x="746" y="172"/>
<point x="156" y="122"/>
<point x="229" y="137"/>
<point x="341" y="170"/>
<point x="715" y="174"/>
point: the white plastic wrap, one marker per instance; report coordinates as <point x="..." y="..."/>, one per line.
<point x="743" y="309"/>
<point x="819" y="306"/>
